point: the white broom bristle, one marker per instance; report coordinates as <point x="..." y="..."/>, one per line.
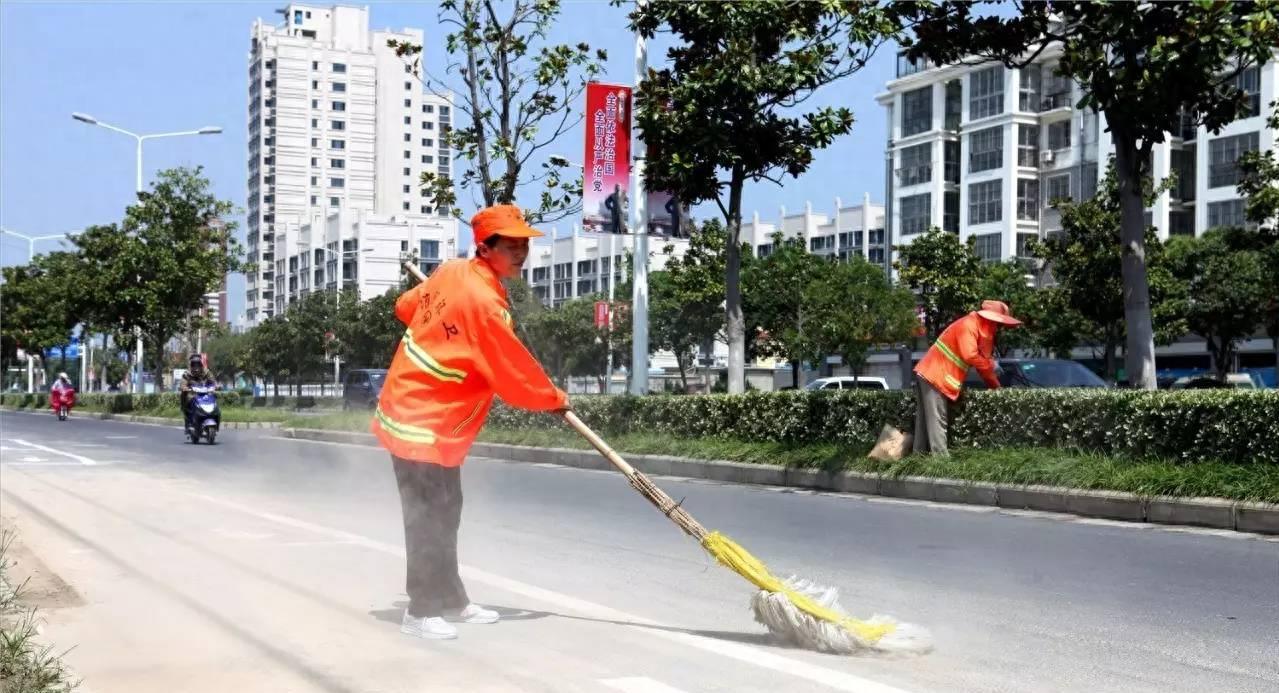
<point x="791" y="625"/>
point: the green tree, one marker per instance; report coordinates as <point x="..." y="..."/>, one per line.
<point x="945" y="275"/>
<point x="152" y="272"/>
<point x="686" y="300"/>
<point x="727" y="109"/>
<point x="518" y="96"/>
<point x="1007" y="282"/>
<point x="269" y="351"/>
<point x="1085" y="261"/>
<point x="1226" y="288"/>
<point x="782" y="303"/>
<point x="854" y="307"/>
<point x="1149" y="68"/>
<point x="42" y="302"/>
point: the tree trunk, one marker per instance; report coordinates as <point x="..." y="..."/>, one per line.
<point x="1139" y="352"/>
<point x="794" y="374"/>
<point x="1109" y="354"/>
<point x="734" y="321"/>
<point x="683" y="378"/>
<point x="1272" y="329"/>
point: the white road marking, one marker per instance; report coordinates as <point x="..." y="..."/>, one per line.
<point x="832" y="678"/>
<point x="119" y="437"/>
<point x="639" y="684"/>
<point x="88" y="445"/>
<point x="78" y="458"/>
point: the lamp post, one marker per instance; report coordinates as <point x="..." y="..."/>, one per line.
<point x="139" y="139"/>
<point x="639" y="227"/>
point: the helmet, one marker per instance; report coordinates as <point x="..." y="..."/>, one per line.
<point x="196" y="360"/>
<point x="63" y="376"/>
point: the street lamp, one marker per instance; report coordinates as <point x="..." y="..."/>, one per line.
<point x="90" y="120"/>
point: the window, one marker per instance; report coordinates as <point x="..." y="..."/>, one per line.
<point x="917" y="111"/>
<point x="1223" y="158"/>
<point x="315" y="122"/>
<point x="429" y="249"/>
<point x="339" y="87"/>
<point x="337" y="183"/>
<point x="428" y="125"/>
<point x="585" y="286"/>
<point x="1181" y="223"/>
<point x="1088" y="182"/>
<point x="1227" y="213"/>
<point x="950" y="211"/>
<point x="407" y="189"/>
<point x="916" y="164"/>
<point x="586" y="267"/>
<point x="408" y="120"/>
<point x="1059" y="135"/>
<point x="1056" y="89"/>
<point x="540" y="273"/>
<point x="315" y="200"/>
<point x="428" y="142"/>
<point x="315" y="180"/>
<point x="428" y="159"/>
<point x="1028" y="199"/>
<point x="408" y="103"/>
<point x="986" y="93"/>
<point x="906" y="66"/>
<point x="315" y="141"/>
<point x="339" y="68"/>
<point x="315" y="162"/>
<point x="408" y="154"/>
<point x="1183" y="164"/>
<point x="1028" y="90"/>
<point x="985" y="202"/>
<point x="916" y="214"/>
<point x="337" y="163"/>
<point x="986" y="246"/>
<point x="951" y="162"/>
<point x="337" y="124"/>
<point x="444" y="111"/>
<point x="1024" y="240"/>
<point x="315" y="103"/>
<point x="337" y="144"/>
<point x="408" y="171"/>
<point x="406" y="206"/>
<point x="954" y="104"/>
<point x="1027" y="145"/>
<point x="820" y="243"/>
<point x="339" y="105"/>
<point x="1057" y="188"/>
<point x="764" y="250"/>
<point x="423" y="190"/>
<point x="315" y="64"/>
<point x="563" y="270"/>
<point x="428" y="108"/>
<point x="1249" y="82"/>
<point x="315" y="85"/>
<point x="408" y="137"/>
<point x="985" y="149"/>
<point x="334" y="202"/>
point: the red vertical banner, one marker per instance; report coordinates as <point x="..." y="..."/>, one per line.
<point x="607" y="162"/>
<point x="601" y="314"/>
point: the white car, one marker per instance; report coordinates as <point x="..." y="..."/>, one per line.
<point x="848" y="382"/>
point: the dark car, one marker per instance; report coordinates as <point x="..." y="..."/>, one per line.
<point x="1038" y="373"/>
<point x="363" y="388"/>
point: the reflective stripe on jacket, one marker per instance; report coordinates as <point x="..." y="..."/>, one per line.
<point x="460" y="349"/>
<point x="969" y="342"/>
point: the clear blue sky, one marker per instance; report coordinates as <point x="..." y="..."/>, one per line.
<point x="165" y="66"/>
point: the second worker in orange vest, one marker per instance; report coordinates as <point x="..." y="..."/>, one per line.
<point x="459" y="350"/>
<point x="969" y="342"/>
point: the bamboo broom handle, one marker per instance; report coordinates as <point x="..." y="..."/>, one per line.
<point x="599" y="444"/>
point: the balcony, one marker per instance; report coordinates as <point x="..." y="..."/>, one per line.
<point x="1052" y="102"/>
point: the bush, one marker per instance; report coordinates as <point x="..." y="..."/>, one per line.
<point x="1238" y="426"/>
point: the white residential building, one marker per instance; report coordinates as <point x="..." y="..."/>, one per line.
<point x="338" y="124"/>
<point x="851" y="230"/>
<point x="364" y="248"/>
<point x="980" y="150"/>
<point x="561" y="268"/>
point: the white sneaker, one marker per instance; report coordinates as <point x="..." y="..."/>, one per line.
<point x="473" y="613"/>
<point x="433" y="627"/>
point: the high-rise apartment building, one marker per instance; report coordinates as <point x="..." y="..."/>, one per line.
<point x="339" y="129"/>
<point x="980" y="150"/>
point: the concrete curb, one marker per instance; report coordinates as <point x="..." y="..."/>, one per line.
<point x="1217" y="513"/>
<point x="130" y="418"/>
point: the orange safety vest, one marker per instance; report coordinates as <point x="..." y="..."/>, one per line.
<point x="459" y="350"/>
<point x="969" y="342"/>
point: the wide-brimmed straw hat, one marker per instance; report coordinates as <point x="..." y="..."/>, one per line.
<point x="997" y="311"/>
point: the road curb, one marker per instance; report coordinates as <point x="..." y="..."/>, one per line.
<point x="131" y="418"/>
<point x="1216" y="513"/>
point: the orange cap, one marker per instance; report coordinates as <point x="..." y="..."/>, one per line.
<point x="501" y="220"/>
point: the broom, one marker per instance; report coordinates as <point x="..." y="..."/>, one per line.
<point x="795" y="610"/>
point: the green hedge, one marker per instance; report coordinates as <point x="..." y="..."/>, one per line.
<point x="1240" y="426"/>
<point x="119" y="403"/>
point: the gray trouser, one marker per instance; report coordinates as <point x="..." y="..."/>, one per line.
<point x="431" y="497"/>
<point x="931" y="419"/>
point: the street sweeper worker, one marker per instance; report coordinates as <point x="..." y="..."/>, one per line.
<point x="458" y="351"/>
<point x="969" y="342"/>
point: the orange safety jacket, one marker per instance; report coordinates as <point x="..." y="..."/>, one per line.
<point x="969" y="342"/>
<point x="459" y="350"/>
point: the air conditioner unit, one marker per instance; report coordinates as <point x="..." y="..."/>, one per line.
<point x="1046" y="157"/>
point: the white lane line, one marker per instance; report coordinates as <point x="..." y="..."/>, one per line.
<point x="88" y="445"/>
<point x="639" y="684"/>
<point x="832" y="678"/>
<point x="119" y="437"/>
<point x="78" y="458"/>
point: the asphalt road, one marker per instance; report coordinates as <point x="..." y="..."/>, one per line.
<point x="264" y="564"/>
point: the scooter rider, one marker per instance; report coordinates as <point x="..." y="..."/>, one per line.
<point x="196" y="375"/>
